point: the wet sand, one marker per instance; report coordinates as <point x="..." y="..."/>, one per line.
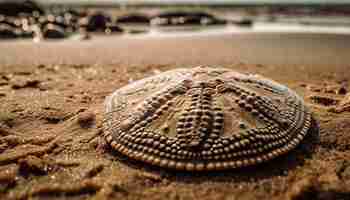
<point x="225" y="48"/>
<point x="51" y="111"/>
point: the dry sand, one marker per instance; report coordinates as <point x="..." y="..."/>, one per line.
<point x="52" y="95"/>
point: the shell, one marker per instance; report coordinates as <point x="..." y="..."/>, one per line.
<point x="205" y="119"/>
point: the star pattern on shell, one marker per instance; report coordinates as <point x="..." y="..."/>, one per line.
<point x="205" y="119"/>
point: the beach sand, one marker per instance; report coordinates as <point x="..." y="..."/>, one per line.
<point x="51" y="111"/>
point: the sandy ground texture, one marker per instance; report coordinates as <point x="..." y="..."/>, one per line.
<point x="51" y="114"/>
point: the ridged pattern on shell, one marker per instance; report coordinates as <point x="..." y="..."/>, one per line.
<point x="205" y="119"/>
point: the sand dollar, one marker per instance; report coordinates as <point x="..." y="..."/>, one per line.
<point x="204" y="119"/>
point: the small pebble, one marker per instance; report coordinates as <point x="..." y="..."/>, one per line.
<point x="86" y="119"/>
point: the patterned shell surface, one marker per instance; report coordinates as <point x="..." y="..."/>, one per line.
<point x="205" y="119"/>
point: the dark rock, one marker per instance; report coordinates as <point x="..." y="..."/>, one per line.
<point x="7" y="32"/>
<point x="52" y="31"/>
<point x="97" y="22"/>
<point x="134" y="19"/>
<point x="14" y="8"/>
<point x="244" y="22"/>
